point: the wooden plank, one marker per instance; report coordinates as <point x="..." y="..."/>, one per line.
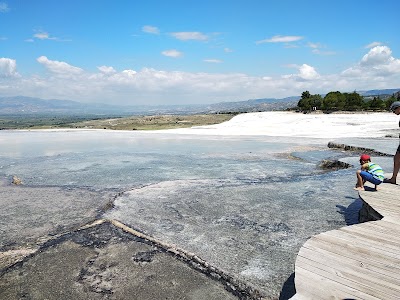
<point x="362" y="249"/>
<point x="391" y="201"/>
<point x="346" y="283"/>
<point x="392" y="219"/>
<point x="315" y="287"/>
<point x="378" y="194"/>
<point x="355" y="263"/>
<point x="385" y="277"/>
<point x="371" y="285"/>
<point x="352" y="252"/>
<point x="373" y="235"/>
<point x="371" y="241"/>
<point x="384" y="225"/>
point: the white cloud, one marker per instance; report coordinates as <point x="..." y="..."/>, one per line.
<point x="150" y="29"/>
<point x="4" y="7"/>
<point x="281" y="39"/>
<point x="8" y="68"/>
<point x="319" y="52"/>
<point x="228" y="50"/>
<point x="377" y="62"/>
<point x="185" y="36"/>
<point x="377" y="69"/>
<point x="42" y="35"/>
<point x="306" y="72"/>
<point x="213" y="60"/>
<point x="107" y="70"/>
<point x="377" y="56"/>
<point x="129" y="73"/>
<point x="172" y="53"/>
<point x="58" y="67"/>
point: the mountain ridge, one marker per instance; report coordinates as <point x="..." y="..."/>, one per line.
<point x="30" y="105"/>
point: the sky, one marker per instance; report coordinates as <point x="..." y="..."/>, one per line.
<point x="131" y="52"/>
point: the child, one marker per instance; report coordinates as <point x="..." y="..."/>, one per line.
<point x="369" y="172"/>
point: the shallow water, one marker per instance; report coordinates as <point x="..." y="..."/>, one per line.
<point x="245" y="204"/>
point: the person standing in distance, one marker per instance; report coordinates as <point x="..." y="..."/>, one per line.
<point x="395" y="108"/>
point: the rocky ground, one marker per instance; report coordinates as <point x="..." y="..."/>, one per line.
<point x="61" y="253"/>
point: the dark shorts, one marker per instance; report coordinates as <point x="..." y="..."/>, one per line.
<point x="368" y="177"/>
<point x="398" y="149"/>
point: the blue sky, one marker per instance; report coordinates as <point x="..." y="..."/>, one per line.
<point x="187" y="52"/>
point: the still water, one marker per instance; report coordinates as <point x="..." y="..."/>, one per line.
<point x="244" y="204"/>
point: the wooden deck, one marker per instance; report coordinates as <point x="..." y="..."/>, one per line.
<point x="361" y="261"/>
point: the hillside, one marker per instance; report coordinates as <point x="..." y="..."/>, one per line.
<point x="20" y="105"/>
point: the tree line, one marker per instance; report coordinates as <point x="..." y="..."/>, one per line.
<point x="335" y="101"/>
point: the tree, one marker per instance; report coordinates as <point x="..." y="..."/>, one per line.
<point x="353" y="101"/>
<point x="334" y="101"/>
<point x="376" y="104"/>
<point x="305" y="95"/>
<point x="304" y="103"/>
<point x="316" y="101"/>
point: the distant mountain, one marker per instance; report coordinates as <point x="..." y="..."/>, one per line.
<point x="20" y="105"/>
<point x="30" y="105"/>
<point x="378" y="92"/>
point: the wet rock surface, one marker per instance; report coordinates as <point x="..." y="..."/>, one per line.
<point x="103" y="262"/>
<point x="239" y="206"/>
<point x="334" y="165"/>
<point x="30" y="214"/>
<point x="357" y="149"/>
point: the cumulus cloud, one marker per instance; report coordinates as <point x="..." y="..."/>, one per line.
<point x="306" y="72"/>
<point x="8" y="67"/>
<point x="185" y="36"/>
<point x="150" y="29"/>
<point x="377" y="62"/>
<point x="172" y="53"/>
<point x="378" y="55"/>
<point x="281" y="39"/>
<point x="58" y="67"/>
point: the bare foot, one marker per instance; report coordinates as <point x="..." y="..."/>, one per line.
<point x="390" y="180"/>
<point x="360" y="188"/>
